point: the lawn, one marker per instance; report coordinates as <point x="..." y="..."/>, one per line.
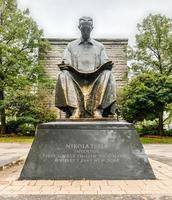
<point x="158" y="140"/>
<point x="24" y="139"/>
<point x="144" y="140"/>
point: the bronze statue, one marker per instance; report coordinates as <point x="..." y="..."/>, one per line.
<point x="85" y="86"/>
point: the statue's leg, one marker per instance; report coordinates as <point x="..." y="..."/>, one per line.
<point x="102" y="95"/>
<point x="109" y="100"/>
<point x="66" y="97"/>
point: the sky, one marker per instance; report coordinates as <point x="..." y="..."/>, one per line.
<point x="112" y="18"/>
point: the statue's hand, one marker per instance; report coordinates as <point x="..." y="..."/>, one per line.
<point x="106" y="66"/>
<point x="111" y="63"/>
<point x="63" y="66"/>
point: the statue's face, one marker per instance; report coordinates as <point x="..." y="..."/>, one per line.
<point x="86" y="26"/>
<point x="85" y="31"/>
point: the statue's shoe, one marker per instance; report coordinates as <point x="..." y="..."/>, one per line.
<point x="97" y="114"/>
<point x="76" y="114"/>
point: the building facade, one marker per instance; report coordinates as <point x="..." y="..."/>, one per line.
<point x="116" y="50"/>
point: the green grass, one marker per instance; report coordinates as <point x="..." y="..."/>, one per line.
<point x="24" y="139"/>
<point x="29" y="139"/>
<point x="160" y="140"/>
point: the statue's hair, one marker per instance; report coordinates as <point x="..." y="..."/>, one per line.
<point x="86" y="18"/>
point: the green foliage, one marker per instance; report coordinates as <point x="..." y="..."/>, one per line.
<point x="20" y="70"/>
<point x="20" y="39"/>
<point x="30" y="108"/>
<point x="145" y="97"/>
<point x="168" y="119"/>
<point x="149" y="93"/>
<point x="12" y="126"/>
<point x="153" y="49"/>
<point x="22" y="126"/>
<point x="168" y="133"/>
<point x="147" y="127"/>
<point x="26" y="129"/>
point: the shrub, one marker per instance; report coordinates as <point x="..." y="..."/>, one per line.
<point x="147" y="128"/>
<point x="26" y="129"/>
<point x="12" y="126"/>
<point x="168" y="133"/>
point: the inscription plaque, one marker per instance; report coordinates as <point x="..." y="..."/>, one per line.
<point x="87" y="150"/>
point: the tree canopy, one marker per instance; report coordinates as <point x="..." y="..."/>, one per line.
<point x="149" y="93"/>
<point x="146" y="96"/>
<point x="20" y="41"/>
<point x="153" y="49"/>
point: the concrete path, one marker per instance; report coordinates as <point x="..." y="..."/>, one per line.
<point x="12" y="152"/>
<point x="87" y="197"/>
<point x="160" y="152"/>
<point x="159" y="189"/>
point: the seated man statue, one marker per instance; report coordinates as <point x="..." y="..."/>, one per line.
<point x="85" y="85"/>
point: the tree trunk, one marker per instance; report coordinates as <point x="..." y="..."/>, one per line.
<point x="161" y="125"/>
<point x="2" y="115"/>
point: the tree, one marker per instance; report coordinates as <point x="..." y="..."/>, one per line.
<point x="153" y="49"/>
<point x="153" y="53"/>
<point x="20" y="39"/>
<point x="146" y="97"/>
<point x="29" y="107"/>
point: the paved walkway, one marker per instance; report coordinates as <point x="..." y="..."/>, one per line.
<point x="11" y="188"/>
<point x="12" y="152"/>
<point x="160" y="152"/>
<point x="162" y="186"/>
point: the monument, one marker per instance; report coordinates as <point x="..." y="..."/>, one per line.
<point x="86" y="87"/>
<point x="89" y="143"/>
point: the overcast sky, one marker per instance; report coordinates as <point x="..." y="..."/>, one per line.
<point x="112" y="18"/>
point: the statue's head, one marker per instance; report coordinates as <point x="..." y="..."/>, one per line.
<point x="85" y="26"/>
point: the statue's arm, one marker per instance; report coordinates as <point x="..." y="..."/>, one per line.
<point x="103" y="56"/>
<point x="67" y="57"/>
<point x="66" y="60"/>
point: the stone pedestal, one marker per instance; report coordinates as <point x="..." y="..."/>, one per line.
<point x="86" y="150"/>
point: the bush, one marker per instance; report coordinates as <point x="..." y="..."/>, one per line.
<point x="168" y="133"/>
<point x="12" y="126"/>
<point x="22" y="124"/>
<point x="26" y="129"/>
<point x="26" y="125"/>
<point x="147" y="128"/>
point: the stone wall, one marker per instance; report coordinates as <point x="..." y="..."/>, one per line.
<point x="116" y="50"/>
